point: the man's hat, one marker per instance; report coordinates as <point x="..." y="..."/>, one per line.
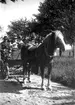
<point x="5" y="38"/>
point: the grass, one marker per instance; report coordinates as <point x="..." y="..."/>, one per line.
<point x="63" y="71"/>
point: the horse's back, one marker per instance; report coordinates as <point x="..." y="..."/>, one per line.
<point x="28" y="53"/>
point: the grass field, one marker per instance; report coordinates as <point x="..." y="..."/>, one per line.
<point x="64" y="70"/>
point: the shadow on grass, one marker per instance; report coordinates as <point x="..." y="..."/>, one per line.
<point x="7" y="86"/>
<point x="32" y="88"/>
<point x="64" y="82"/>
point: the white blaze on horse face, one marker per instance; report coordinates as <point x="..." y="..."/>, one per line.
<point x="60" y="35"/>
<point x="69" y="47"/>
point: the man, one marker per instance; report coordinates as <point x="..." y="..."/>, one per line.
<point x="5" y="52"/>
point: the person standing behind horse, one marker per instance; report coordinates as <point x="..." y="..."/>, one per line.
<point x="5" y="54"/>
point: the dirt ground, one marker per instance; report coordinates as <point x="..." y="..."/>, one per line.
<point x="13" y="93"/>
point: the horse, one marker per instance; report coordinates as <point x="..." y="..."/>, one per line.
<point x="42" y="55"/>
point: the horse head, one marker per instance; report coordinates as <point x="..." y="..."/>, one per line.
<point x="54" y="40"/>
<point x="60" y="43"/>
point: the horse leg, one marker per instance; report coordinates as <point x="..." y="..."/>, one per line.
<point x="37" y="69"/>
<point x="42" y="76"/>
<point x="29" y="70"/>
<point x="49" y="76"/>
<point x="24" y="72"/>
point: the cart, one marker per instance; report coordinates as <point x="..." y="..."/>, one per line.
<point x="13" y="66"/>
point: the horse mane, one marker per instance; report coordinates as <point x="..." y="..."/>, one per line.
<point x="58" y="34"/>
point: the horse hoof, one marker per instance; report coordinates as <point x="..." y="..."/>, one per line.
<point x="6" y="78"/>
<point x="49" y="88"/>
<point x="43" y="88"/>
<point x="23" y="81"/>
<point x="28" y="81"/>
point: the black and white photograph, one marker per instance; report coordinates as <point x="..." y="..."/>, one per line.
<point x="37" y="52"/>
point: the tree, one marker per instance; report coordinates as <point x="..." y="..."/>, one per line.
<point x="5" y="1"/>
<point x="58" y="14"/>
<point x="18" y="29"/>
<point x="24" y="30"/>
<point x="34" y="26"/>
